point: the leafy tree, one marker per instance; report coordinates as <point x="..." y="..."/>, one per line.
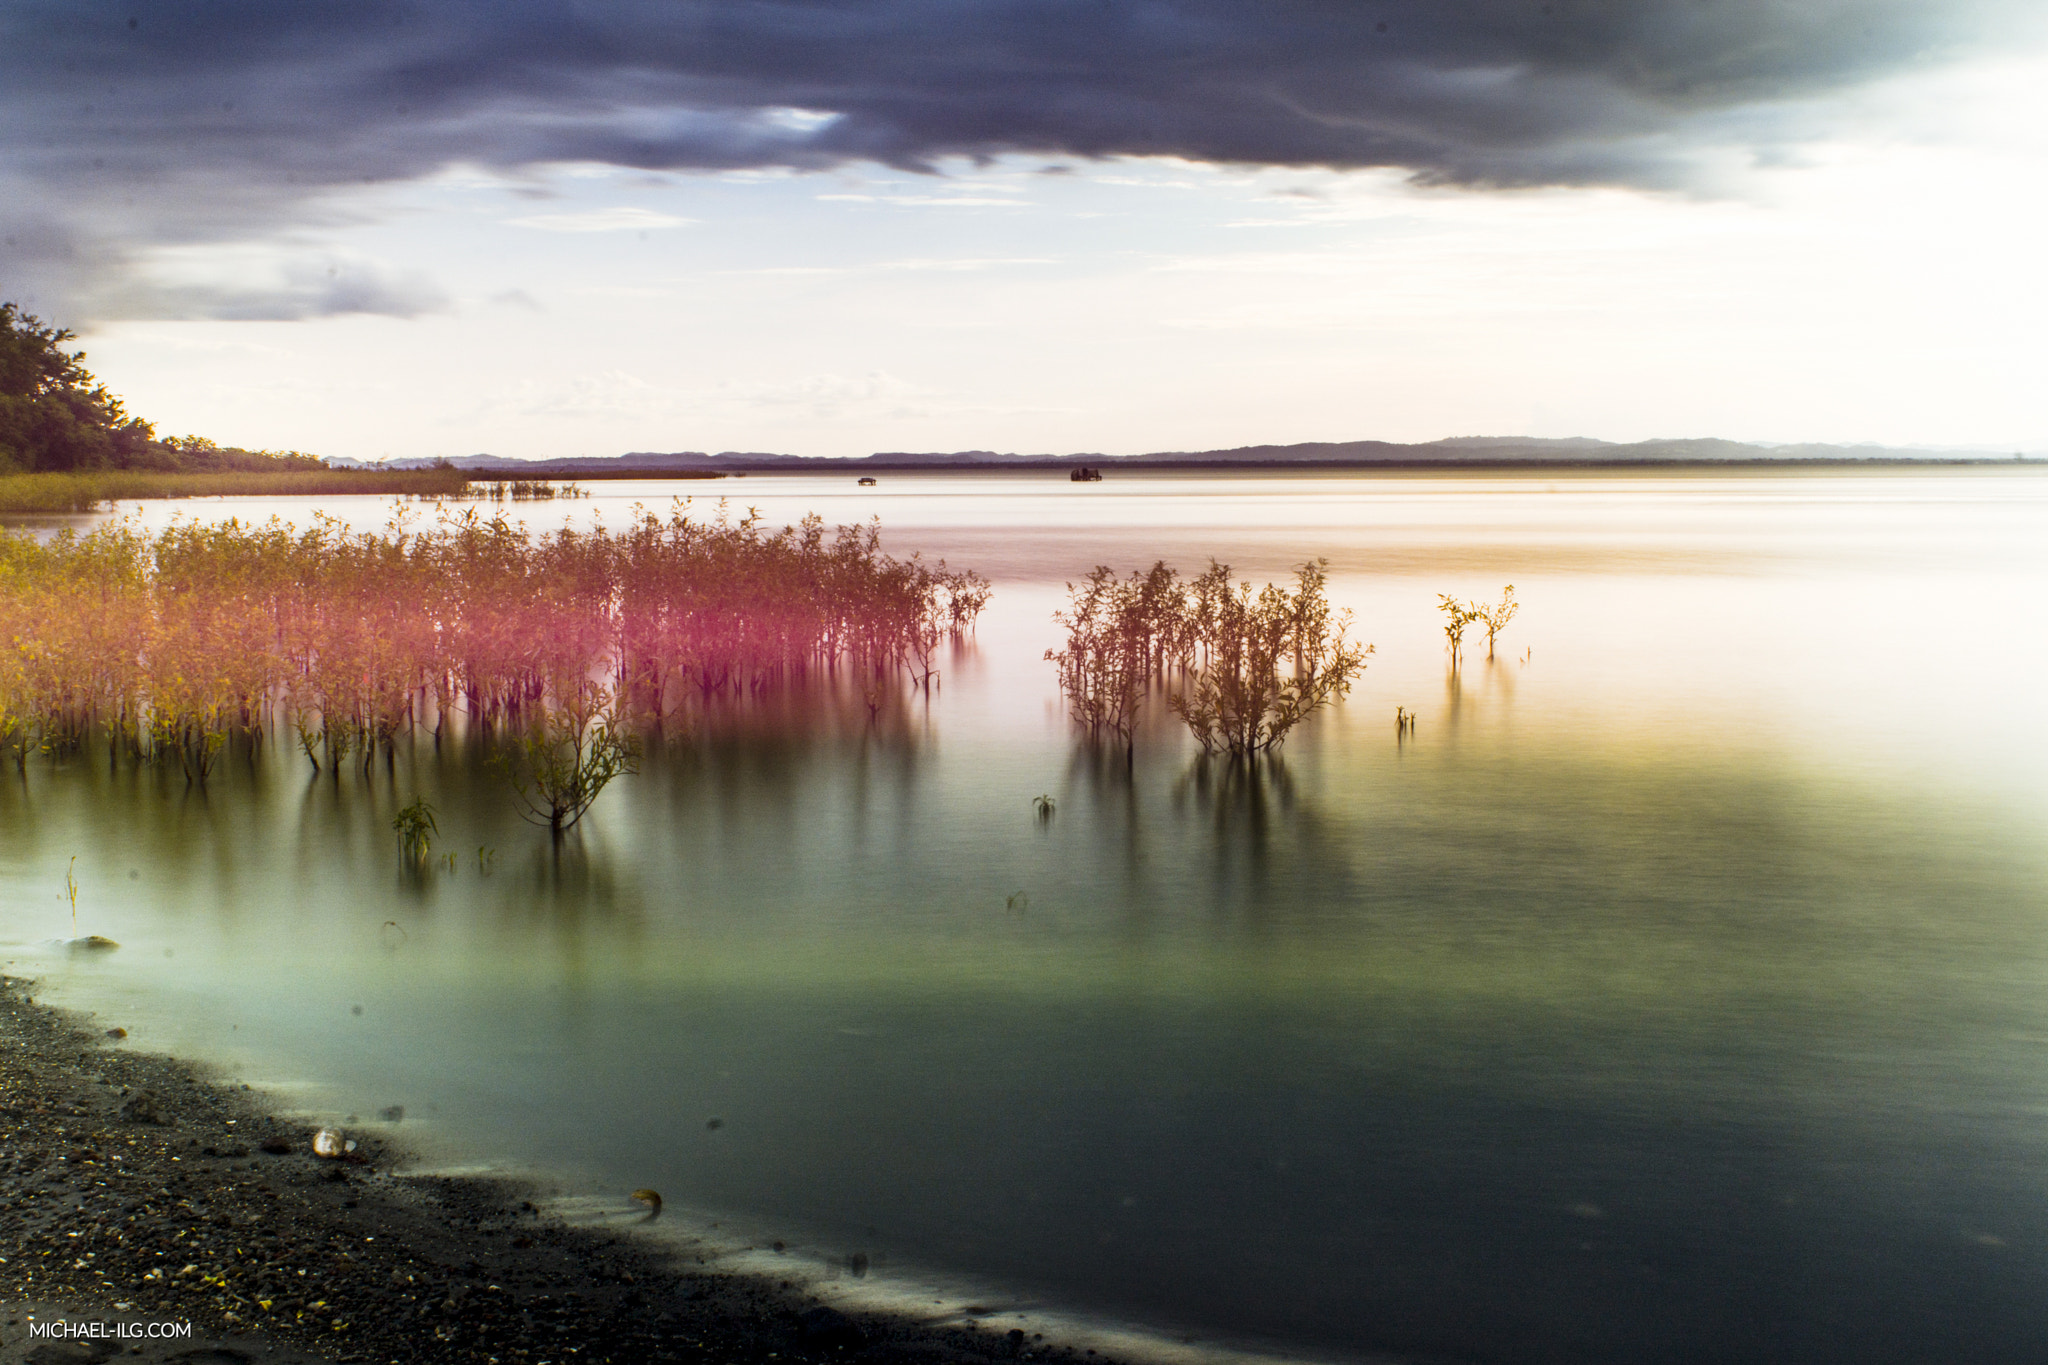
<point x="196" y="454"/>
<point x="55" y="416"/>
<point x="53" y="413"/>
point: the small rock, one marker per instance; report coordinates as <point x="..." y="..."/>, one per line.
<point x="276" y="1146"/>
<point x="141" y="1107"/>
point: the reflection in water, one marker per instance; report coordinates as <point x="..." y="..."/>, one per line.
<point x="1484" y="1048"/>
<point x="1238" y="797"/>
<point x="1676" y="998"/>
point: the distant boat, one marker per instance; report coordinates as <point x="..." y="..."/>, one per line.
<point x="1086" y="475"/>
<point x="867" y="483"/>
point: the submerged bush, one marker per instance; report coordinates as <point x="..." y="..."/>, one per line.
<point x="567" y="756"/>
<point x="1256" y="665"/>
<point x="1104" y="667"/>
<point x="1458" y="615"/>
<point x="1496" y="617"/>
<point x="1269" y="661"/>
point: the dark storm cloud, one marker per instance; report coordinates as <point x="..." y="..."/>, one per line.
<point x="154" y="122"/>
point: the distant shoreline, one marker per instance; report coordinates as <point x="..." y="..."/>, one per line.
<point x="1066" y="464"/>
<point x="1457" y="452"/>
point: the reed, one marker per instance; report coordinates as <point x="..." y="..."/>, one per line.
<point x="86" y="491"/>
<point x="521" y="490"/>
<point x="176" y="645"/>
<point x="416" y="828"/>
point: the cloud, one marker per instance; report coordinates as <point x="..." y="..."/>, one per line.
<point x="602" y="220"/>
<point x="125" y="128"/>
<point x="243" y="285"/>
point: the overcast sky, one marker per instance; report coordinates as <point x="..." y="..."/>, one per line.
<point x="840" y="226"/>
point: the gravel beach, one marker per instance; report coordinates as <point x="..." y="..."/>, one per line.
<point x="137" y="1194"/>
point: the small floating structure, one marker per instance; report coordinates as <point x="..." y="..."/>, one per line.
<point x="866" y="482"/>
<point x="1084" y="474"/>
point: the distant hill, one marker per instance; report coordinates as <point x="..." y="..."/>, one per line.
<point x="687" y="463"/>
<point x="1456" y="450"/>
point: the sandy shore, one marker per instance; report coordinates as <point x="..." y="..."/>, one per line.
<point x="136" y="1192"/>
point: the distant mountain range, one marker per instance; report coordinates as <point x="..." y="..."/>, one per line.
<point x="1457" y="450"/>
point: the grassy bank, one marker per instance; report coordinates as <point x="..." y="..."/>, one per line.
<point x="87" y="491"/>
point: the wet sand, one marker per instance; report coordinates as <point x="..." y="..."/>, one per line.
<point x="137" y="1190"/>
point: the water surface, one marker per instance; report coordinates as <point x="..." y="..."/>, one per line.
<point x="1678" y="990"/>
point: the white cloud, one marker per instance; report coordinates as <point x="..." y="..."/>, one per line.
<point x="800" y="120"/>
<point x="622" y="219"/>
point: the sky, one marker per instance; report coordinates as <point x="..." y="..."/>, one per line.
<point x="384" y="228"/>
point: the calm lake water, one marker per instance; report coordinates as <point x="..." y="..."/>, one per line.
<point x="1677" y="991"/>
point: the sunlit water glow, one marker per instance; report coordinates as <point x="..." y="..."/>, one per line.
<point x="1678" y="991"/>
